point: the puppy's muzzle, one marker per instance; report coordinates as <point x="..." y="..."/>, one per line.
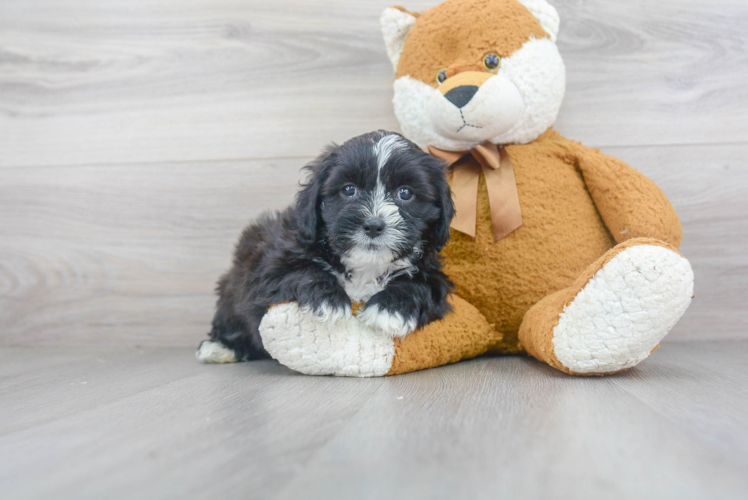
<point x="461" y="88"/>
<point x="373" y="227"/>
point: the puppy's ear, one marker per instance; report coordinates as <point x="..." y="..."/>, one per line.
<point x="441" y="227"/>
<point x="307" y="211"/>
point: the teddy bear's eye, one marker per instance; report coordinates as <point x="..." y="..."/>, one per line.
<point x="491" y="61"/>
<point x="441" y="76"/>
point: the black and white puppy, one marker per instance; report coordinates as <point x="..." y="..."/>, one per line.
<point x="367" y="227"/>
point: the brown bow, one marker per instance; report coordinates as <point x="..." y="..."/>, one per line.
<point x="506" y="215"/>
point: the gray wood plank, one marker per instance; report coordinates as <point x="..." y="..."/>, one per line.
<point x="139" y="81"/>
<point x="642" y="73"/>
<point x="129" y="254"/>
<point x="499" y="427"/>
<point x="238" y="431"/>
<point x="706" y="184"/>
<point x="513" y="428"/>
<point x="702" y="386"/>
<point x="125" y="254"/>
<point x="41" y="385"/>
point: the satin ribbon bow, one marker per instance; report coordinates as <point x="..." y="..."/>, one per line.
<point x="506" y="215"/>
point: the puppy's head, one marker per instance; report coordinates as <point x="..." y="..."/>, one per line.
<point x="377" y="195"/>
<point x="469" y="71"/>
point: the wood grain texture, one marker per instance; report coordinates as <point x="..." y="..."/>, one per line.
<point x="706" y="184"/>
<point x="138" y="137"/>
<point x="125" y="254"/>
<point x="129" y="254"/>
<point x="642" y="73"/>
<point x="513" y="428"/>
<point x="45" y="385"/>
<point x="153" y="423"/>
<point x="96" y="248"/>
<point x="118" y="433"/>
<point x="143" y="81"/>
<point x="681" y="385"/>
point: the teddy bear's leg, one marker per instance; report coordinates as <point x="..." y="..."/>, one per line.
<point x="615" y="313"/>
<point x="463" y="333"/>
<point x="348" y="347"/>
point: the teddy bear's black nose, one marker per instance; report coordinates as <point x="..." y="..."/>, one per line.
<point x="460" y="96"/>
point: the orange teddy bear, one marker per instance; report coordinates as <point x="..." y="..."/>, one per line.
<point x="557" y="250"/>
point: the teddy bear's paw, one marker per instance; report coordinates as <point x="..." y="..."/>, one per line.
<point x="623" y="312"/>
<point x="326" y="312"/>
<point x="211" y="351"/>
<point x="387" y="323"/>
<point x="298" y="340"/>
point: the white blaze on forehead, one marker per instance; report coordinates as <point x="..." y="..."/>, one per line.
<point x="380" y="205"/>
<point x="384" y="148"/>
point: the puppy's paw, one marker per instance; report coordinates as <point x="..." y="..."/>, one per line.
<point x="325" y="302"/>
<point x="327" y="312"/>
<point x="212" y="351"/>
<point x="391" y="324"/>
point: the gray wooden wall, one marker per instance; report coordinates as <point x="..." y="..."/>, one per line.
<point x="137" y="137"/>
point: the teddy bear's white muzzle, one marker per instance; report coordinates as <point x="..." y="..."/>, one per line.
<point x="467" y="114"/>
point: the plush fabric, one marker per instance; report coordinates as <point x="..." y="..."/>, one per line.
<point x="624" y="301"/>
<point x="348" y="347"/>
<point x="563" y="229"/>
<point x="534" y="75"/>
<point x="592" y="279"/>
<point x="504" y="25"/>
<point x="464" y="333"/>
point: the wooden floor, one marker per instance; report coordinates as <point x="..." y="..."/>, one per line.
<point x="153" y="423"/>
<point x="138" y="137"/>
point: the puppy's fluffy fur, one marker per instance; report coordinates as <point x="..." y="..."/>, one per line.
<point x="367" y="227"/>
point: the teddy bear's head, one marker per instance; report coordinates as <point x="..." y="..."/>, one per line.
<point x="470" y="71"/>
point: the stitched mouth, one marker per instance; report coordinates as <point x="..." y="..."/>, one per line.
<point x="465" y="123"/>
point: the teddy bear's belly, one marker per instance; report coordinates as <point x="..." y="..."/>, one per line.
<point x="562" y="233"/>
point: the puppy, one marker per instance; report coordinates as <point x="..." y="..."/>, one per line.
<point x="367" y="227"/>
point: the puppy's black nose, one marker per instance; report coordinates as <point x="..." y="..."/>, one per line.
<point x="460" y="96"/>
<point x="373" y="227"/>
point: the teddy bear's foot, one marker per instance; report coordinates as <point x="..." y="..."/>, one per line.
<point x="345" y="347"/>
<point x="616" y="314"/>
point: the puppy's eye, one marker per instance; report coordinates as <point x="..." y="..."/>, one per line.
<point x="441" y="76"/>
<point x="491" y="61"/>
<point x="349" y="191"/>
<point x="404" y="194"/>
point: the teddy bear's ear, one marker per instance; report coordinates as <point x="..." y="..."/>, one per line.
<point x="546" y="15"/>
<point x="396" y="25"/>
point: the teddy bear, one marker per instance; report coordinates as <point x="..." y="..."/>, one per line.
<point x="557" y="250"/>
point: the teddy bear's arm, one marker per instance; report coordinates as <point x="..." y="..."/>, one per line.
<point x="630" y="204"/>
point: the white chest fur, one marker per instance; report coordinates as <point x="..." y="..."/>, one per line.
<point x="368" y="273"/>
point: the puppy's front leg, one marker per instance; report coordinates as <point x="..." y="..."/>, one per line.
<point x="319" y="293"/>
<point x="396" y="311"/>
